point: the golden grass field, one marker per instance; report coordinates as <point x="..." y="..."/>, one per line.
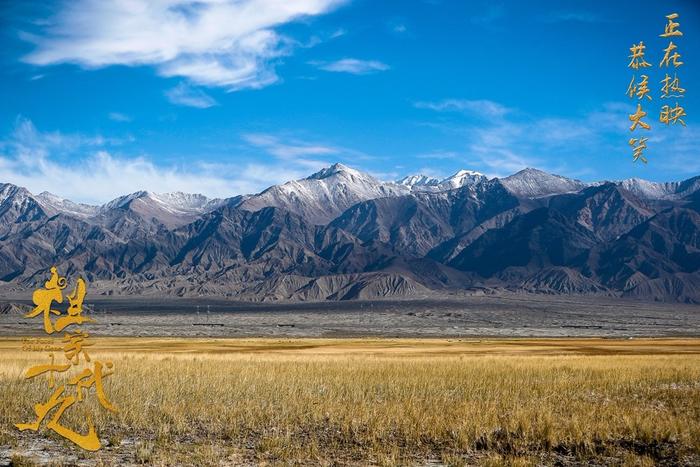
<point x="376" y="402"/>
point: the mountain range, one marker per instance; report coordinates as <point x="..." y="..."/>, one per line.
<point x="342" y="234"/>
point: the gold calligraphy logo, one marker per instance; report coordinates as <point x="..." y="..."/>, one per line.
<point x="76" y="343"/>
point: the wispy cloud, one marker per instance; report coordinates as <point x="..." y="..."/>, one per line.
<point x="340" y="32"/>
<point x="184" y="94"/>
<point x="439" y="155"/>
<point x="676" y="147"/>
<point x="293" y="152"/>
<point x="352" y="65"/>
<point x="102" y="176"/>
<point x="285" y="150"/>
<point x="299" y="153"/>
<point x="94" y="173"/>
<point x="119" y="117"/>
<point x="226" y="43"/>
<point x="511" y="140"/>
<point x="26" y="138"/>
<point x="479" y="107"/>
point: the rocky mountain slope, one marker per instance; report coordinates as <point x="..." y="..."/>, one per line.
<point x="341" y="234"/>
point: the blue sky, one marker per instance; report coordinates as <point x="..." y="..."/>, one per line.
<point x="104" y="97"/>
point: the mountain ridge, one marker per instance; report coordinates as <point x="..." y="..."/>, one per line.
<point x="342" y="234"/>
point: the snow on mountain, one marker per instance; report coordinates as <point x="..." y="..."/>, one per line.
<point x="187" y="202"/>
<point x="123" y="201"/>
<point x="463" y="178"/>
<point x="176" y="202"/>
<point x="660" y="190"/>
<point x="335" y="169"/>
<point x="650" y="190"/>
<point x="142" y="242"/>
<point x="457" y="180"/>
<point x="325" y="194"/>
<point x="533" y="183"/>
<point x="179" y="204"/>
<point x="13" y="193"/>
<point x="142" y="213"/>
<point x="417" y="181"/>
<point x="55" y="204"/>
<point x="17" y="206"/>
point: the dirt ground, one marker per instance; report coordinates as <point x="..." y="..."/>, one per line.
<point x="496" y="316"/>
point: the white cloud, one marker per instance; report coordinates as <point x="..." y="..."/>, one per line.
<point x="511" y="140"/>
<point x="297" y="153"/>
<point x="479" y="107"/>
<point x="86" y="169"/>
<point x="675" y="147"/>
<point x="352" y="65"/>
<point x="26" y="137"/>
<point x="184" y="94"/>
<point x="119" y="117"/>
<point x="501" y="160"/>
<point x="225" y="43"/>
<point x="304" y="153"/>
<point x="101" y="177"/>
<point x="508" y="140"/>
<point x="340" y="32"/>
<point x="284" y="150"/>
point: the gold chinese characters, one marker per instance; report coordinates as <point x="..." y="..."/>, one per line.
<point x="671" y="87"/>
<point x="77" y="384"/>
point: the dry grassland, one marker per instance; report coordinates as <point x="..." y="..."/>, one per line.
<point x="374" y="401"/>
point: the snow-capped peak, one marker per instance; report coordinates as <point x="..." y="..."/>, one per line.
<point x="465" y="172"/>
<point x="48" y="196"/>
<point x="649" y="190"/>
<point x="185" y="201"/>
<point x="534" y="183"/>
<point x="57" y="204"/>
<point x="177" y="202"/>
<point x="123" y="200"/>
<point x="324" y="195"/>
<point x="418" y="180"/>
<point x="462" y="178"/>
<point x="334" y="169"/>
<point x="457" y="180"/>
<point x="8" y="190"/>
